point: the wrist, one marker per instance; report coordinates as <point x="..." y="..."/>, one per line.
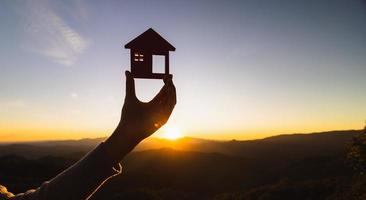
<point x="126" y="134"/>
<point x="120" y="143"/>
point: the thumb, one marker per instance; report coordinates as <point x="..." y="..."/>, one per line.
<point x="130" y="85"/>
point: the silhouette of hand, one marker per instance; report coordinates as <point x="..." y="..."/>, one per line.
<point x="142" y="119"/>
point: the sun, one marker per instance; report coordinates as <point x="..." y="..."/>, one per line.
<point x="171" y="133"/>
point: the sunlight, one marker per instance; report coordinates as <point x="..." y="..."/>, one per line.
<point x="171" y="133"/>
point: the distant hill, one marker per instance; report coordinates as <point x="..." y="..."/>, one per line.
<point x="332" y="141"/>
<point x="309" y="166"/>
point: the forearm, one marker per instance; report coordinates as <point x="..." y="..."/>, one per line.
<point x="120" y="143"/>
<point x="82" y="179"/>
<point x="140" y="120"/>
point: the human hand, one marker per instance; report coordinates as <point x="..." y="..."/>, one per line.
<point x="140" y="119"/>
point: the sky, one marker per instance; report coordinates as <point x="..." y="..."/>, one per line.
<point x="242" y="69"/>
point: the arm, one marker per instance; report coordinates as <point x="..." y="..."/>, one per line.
<point x="139" y="120"/>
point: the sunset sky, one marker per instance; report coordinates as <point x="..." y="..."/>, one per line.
<point x="242" y="69"/>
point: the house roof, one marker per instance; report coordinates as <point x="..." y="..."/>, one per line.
<point x="150" y="40"/>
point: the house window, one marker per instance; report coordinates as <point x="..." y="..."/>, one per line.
<point x="158" y="64"/>
<point x="138" y="57"/>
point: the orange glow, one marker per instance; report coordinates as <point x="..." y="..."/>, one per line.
<point x="171" y="133"/>
<point x="26" y="135"/>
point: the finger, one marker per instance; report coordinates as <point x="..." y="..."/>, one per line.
<point x="130" y="85"/>
<point x="167" y="78"/>
<point x="168" y="83"/>
<point x="165" y="107"/>
<point x="160" y="96"/>
<point x="170" y="100"/>
<point x="173" y="93"/>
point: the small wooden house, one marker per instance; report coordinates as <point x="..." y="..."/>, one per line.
<point x="143" y="47"/>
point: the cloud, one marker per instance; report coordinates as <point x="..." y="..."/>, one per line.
<point x="51" y="36"/>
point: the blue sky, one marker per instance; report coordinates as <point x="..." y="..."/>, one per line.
<point x="243" y="69"/>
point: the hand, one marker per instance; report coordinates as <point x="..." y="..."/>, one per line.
<point x="140" y="119"/>
<point x="143" y="119"/>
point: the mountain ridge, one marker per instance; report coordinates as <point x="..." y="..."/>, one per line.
<point x="331" y="139"/>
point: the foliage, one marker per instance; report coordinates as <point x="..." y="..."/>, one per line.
<point x="357" y="153"/>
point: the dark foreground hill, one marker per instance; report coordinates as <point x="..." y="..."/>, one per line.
<point x="309" y="166"/>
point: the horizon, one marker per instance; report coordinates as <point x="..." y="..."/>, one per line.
<point x="243" y="69"/>
<point x="219" y="139"/>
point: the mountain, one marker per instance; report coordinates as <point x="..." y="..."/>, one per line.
<point x="332" y="141"/>
<point x="305" y="166"/>
<point x="54" y="148"/>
